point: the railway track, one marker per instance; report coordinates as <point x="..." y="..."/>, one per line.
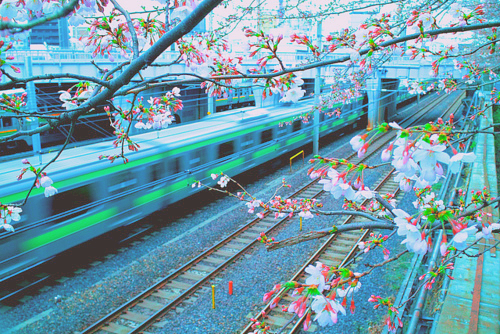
<point x="337" y="250"/>
<point x="17" y="290"/>
<point x="147" y="308"/>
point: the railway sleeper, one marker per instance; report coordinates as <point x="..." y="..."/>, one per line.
<point x="165" y="294"/>
<point x="193" y="276"/>
<point x="341" y="241"/>
<point x="179" y="285"/>
<point x="225" y="252"/>
<point x="134" y="316"/>
<point x="258" y="228"/>
<point x="235" y="246"/>
<point x="330" y="258"/>
<point x="205" y="268"/>
<point x="116" y="328"/>
<point x="278" y="320"/>
<point x="247" y="238"/>
<point x="151" y="305"/>
<point x="214" y="260"/>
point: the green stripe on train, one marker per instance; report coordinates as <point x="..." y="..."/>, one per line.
<point x="163" y="192"/>
<point x="296" y="139"/>
<point x="68" y="229"/>
<point x="117" y="168"/>
<point x="225" y="167"/>
<point x="265" y="151"/>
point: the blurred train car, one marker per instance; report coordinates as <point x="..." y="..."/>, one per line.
<point x="96" y="197"/>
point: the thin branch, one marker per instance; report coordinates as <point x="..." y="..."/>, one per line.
<point x="384" y="203"/>
<point x="324" y="233"/>
<point x="15" y="81"/>
<point x="130" y="24"/>
<point x="482" y="206"/>
<point x="19" y="27"/>
<point x="70" y="134"/>
<point x="373" y="266"/>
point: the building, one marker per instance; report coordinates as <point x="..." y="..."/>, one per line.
<point x="52" y="33"/>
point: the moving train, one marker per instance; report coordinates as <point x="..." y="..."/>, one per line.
<point x="96" y="197"/>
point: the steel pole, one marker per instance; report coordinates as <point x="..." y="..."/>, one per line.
<point x="317" y="93"/>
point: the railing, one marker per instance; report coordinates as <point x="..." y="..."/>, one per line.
<point x="168" y="56"/>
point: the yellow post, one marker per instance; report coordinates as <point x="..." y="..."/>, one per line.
<point x="301" y="223"/>
<point x="296" y="155"/>
<point x="213" y="296"/>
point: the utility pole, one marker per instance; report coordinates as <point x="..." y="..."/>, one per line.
<point x="317" y="93"/>
<point x="32" y="122"/>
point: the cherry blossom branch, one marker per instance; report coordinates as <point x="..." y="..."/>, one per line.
<point x="482" y="206"/>
<point x="362" y="52"/>
<point x="117" y="68"/>
<point x="323" y="233"/>
<point x="19" y="27"/>
<point x="373" y="266"/>
<point x="384" y="203"/>
<point x="146" y="58"/>
<point x="130" y="24"/>
<point x="23" y="114"/>
<point x="283" y="328"/>
<point x="346" y="213"/>
<point x="15" y="81"/>
<point x="483" y="251"/>
<point x="37" y="175"/>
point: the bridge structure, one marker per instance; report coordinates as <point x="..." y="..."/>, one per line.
<point x="384" y="80"/>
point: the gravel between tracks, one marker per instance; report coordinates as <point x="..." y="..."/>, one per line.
<point x="86" y="297"/>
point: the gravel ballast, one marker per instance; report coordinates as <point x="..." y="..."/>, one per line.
<point x="86" y="297"/>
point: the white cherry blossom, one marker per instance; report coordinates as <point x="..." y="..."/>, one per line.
<point x="50" y="191"/>
<point x="454" y="164"/>
<point x="486" y="231"/>
<point x="293" y="95"/>
<point x="460" y="239"/>
<point x="316" y="277"/>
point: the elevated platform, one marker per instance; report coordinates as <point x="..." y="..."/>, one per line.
<point x="472" y="304"/>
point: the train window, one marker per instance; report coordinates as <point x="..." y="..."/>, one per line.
<point x="226" y="149"/>
<point x="7" y="121"/>
<point x="282" y="130"/>
<point x="297" y="124"/>
<point x="197" y="157"/>
<point x="157" y="171"/>
<point x="71" y="199"/>
<point x="247" y="141"/>
<point x="120" y="183"/>
<point x="175" y="165"/>
<point x="266" y="136"/>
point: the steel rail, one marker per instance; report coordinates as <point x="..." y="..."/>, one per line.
<point x="188" y="292"/>
<point x="261" y="315"/>
<point x="415" y="119"/>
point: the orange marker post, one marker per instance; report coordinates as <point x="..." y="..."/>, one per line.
<point x="213" y="296"/>
<point x="231" y="288"/>
<point x="301" y="223"/>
